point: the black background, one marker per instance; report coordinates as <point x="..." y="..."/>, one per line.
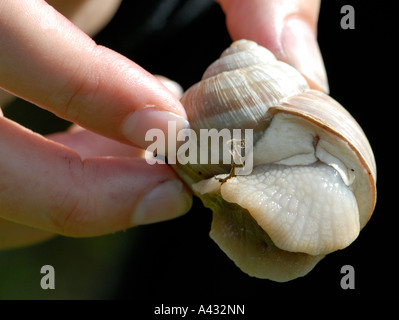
<point x="177" y="259"/>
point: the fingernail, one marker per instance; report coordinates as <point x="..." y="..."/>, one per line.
<point x="302" y="52"/>
<point x="139" y="122"/>
<point x="172" y="86"/>
<point x="167" y="201"/>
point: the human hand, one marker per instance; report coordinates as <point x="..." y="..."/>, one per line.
<point x="287" y="28"/>
<point x="48" y="187"/>
<point x="88" y="15"/>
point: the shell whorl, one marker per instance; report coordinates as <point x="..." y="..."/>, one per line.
<point x="237" y="90"/>
<point x="239" y="55"/>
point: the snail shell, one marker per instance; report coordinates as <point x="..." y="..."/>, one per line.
<point x="312" y="187"/>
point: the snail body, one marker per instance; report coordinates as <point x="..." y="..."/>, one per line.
<point x="312" y="186"/>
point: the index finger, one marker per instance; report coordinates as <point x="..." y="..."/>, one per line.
<point x="45" y="59"/>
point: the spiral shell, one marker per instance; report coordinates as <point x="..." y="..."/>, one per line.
<point x="312" y="187"/>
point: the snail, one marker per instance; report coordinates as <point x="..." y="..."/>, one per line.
<point x="312" y="186"/>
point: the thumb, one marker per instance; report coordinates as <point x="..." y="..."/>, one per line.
<point x="287" y="28"/>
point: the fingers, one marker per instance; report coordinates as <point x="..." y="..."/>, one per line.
<point x="45" y="59"/>
<point x="48" y="61"/>
<point x="88" y="144"/>
<point x="47" y="186"/>
<point x="287" y="28"/>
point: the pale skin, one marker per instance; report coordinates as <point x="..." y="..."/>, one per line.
<point x="67" y="183"/>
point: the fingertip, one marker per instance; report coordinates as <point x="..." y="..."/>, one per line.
<point x="301" y="50"/>
<point x="167" y="201"/>
<point x="287" y="29"/>
<point x="144" y="125"/>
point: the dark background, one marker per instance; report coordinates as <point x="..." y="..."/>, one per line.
<point x="177" y="259"/>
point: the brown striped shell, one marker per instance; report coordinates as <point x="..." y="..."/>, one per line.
<point x="312" y="187"/>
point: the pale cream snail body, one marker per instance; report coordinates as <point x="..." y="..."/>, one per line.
<point x="312" y="186"/>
